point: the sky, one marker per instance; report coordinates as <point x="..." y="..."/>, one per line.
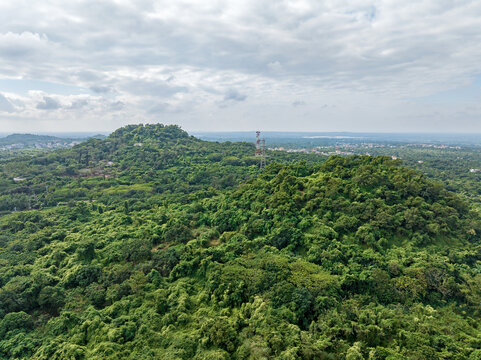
<point x="211" y="65"/>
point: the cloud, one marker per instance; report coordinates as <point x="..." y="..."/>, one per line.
<point x="234" y="95"/>
<point x="77" y="104"/>
<point x="99" y="89"/>
<point x="202" y="57"/>
<point x="5" y="105"/>
<point x="48" y="104"/>
<point x="150" y="87"/>
<point x="159" y="108"/>
<point x="298" y="103"/>
<point x="20" y="45"/>
<point x="117" y="105"/>
<point x="231" y="96"/>
<point x="275" y="66"/>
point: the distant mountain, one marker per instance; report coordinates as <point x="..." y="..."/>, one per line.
<point x="32" y="141"/>
<point x="98" y="136"/>
<point x="27" y="139"/>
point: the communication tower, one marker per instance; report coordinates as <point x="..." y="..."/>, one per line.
<point x="261" y="150"/>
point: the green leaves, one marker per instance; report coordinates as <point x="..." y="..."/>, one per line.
<point x="157" y="250"/>
<point x="15" y="321"/>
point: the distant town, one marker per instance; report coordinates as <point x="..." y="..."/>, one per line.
<point x="40" y="142"/>
<point x="348" y="148"/>
<point x="41" y="145"/>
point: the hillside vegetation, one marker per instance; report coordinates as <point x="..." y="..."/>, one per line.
<point x="152" y="244"/>
<point x="150" y="162"/>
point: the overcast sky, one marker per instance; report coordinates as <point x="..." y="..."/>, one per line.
<point x="334" y="65"/>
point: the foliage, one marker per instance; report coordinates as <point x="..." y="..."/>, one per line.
<point x="186" y="251"/>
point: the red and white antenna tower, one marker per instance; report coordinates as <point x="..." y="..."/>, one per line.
<point x="258" y="143"/>
<point x="261" y="150"/>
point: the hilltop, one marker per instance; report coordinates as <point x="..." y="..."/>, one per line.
<point x="154" y="244"/>
<point x="153" y="162"/>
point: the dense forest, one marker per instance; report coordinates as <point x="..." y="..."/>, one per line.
<point x="449" y="166"/>
<point x="152" y="244"/>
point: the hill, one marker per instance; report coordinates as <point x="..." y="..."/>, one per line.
<point x="182" y="249"/>
<point x="30" y="141"/>
<point x="151" y="162"/>
<point x="26" y="138"/>
<point x="45" y="142"/>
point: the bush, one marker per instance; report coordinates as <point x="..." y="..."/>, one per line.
<point x="15" y="321"/>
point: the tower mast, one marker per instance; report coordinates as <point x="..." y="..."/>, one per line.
<point x="261" y="150"/>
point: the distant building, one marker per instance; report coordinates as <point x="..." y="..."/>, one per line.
<point x="18" y="179"/>
<point x="474" y="170"/>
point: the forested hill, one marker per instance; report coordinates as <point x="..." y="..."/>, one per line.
<point x="152" y="244"/>
<point x="26" y="139"/>
<point x="151" y="162"/>
<point x="134" y="161"/>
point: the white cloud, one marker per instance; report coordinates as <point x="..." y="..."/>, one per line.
<point x="18" y="46"/>
<point x="5" y="105"/>
<point x="234" y="95"/>
<point x="48" y="103"/>
<point x="193" y="59"/>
